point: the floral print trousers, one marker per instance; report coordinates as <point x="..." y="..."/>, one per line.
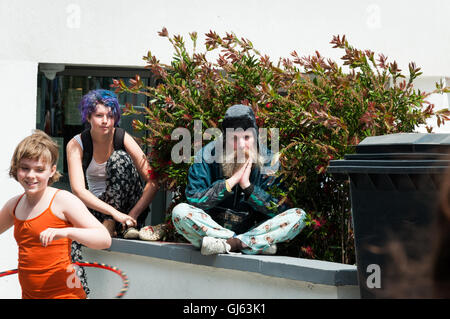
<point x="123" y="189"/>
<point x="194" y="224"/>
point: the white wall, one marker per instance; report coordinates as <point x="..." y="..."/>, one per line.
<point x="120" y="32"/>
<point x="117" y="32"/>
<point x="440" y="101"/>
<point x="155" y="278"/>
<point x="18" y="91"/>
<point x="106" y="32"/>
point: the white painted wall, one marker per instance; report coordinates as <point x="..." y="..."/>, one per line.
<point x="119" y="32"/>
<point x="19" y="112"/>
<point x="154" y="278"/>
<point x="440" y="101"/>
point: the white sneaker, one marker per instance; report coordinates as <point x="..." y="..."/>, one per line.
<point x="271" y="250"/>
<point x="213" y="246"/>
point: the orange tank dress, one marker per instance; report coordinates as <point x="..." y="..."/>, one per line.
<point x="45" y="272"/>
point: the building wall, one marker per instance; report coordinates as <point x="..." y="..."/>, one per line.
<point x="157" y="278"/>
<point x="18" y="92"/>
<point x="119" y="33"/>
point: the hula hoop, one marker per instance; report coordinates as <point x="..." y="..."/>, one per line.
<point x="8" y="272"/>
<point x="115" y="270"/>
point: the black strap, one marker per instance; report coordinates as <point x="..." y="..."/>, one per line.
<point x="119" y="136"/>
<point x="86" y="139"/>
<point x="88" y="151"/>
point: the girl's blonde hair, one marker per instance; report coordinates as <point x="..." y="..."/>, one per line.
<point x="38" y="146"/>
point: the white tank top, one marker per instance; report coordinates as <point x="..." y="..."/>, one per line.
<point x="95" y="173"/>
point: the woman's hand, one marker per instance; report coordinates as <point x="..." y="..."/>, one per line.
<point x="50" y="234"/>
<point x="124" y="219"/>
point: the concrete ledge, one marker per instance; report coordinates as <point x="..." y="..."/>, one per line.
<point x="313" y="271"/>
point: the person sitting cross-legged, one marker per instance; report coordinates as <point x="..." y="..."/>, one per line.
<point x="230" y="208"/>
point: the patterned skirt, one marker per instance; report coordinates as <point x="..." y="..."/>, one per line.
<point x="124" y="188"/>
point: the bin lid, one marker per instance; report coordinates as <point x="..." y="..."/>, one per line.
<point x="406" y="143"/>
<point x="418" y="153"/>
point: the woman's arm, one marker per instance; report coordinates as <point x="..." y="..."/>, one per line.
<point x="78" y="185"/>
<point x="143" y="167"/>
<point x="86" y="229"/>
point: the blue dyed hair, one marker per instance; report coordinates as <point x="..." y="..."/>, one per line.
<point x="88" y="104"/>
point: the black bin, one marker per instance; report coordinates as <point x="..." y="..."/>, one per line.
<point x="394" y="187"/>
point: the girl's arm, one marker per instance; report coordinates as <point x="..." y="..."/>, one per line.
<point x="78" y="186"/>
<point x="143" y="167"/>
<point x="6" y="214"/>
<point x="86" y="229"/>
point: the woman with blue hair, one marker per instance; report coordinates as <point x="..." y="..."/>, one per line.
<point x="111" y="164"/>
<point x="105" y="166"/>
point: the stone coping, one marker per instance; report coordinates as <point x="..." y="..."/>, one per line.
<point x="312" y="271"/>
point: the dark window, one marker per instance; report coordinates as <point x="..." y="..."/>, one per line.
<point x="58" y="115"/>
<point x="58" y="99"/>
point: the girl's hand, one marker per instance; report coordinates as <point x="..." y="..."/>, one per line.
<point x="50" y="234"/>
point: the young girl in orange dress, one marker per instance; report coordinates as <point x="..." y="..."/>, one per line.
<point x="46" y="220"/>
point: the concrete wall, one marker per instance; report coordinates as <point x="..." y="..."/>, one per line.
<point x="153" y="278"/>
<point x="161" y="271"/>
<point x="119" y="33"/>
